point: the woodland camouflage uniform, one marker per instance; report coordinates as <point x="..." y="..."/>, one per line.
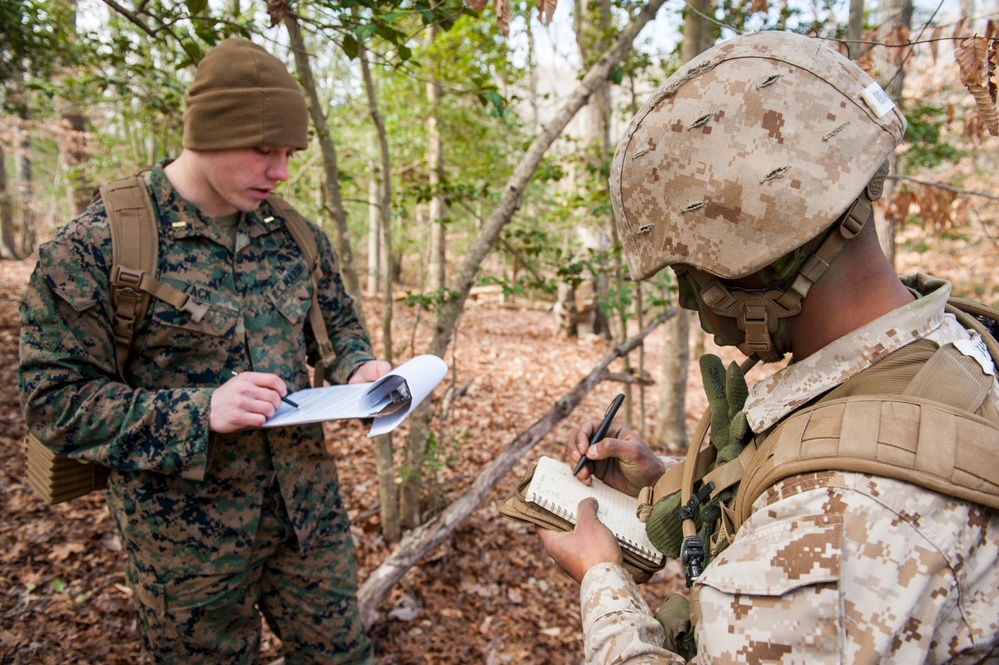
<point x="750" y="151"/>
<point x="208" y="520"/>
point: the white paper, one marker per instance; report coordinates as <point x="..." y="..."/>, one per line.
<point x="419" y="376"/>
<point x="555" y="488"/>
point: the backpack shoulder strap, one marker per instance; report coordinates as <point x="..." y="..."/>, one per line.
<point x="300" y="232"/>
<point x="134" y="260"/>
<point x="134" y="252"/>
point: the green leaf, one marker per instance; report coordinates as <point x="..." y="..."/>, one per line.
<point x="496" y="99"/>
<point x="196" y="6"/>
<point x="350" y="46"/>
<point x="364" y="31"/>
<point x="58" y="585"/>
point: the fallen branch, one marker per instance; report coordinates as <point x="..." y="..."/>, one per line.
<point x="421" y="540"/>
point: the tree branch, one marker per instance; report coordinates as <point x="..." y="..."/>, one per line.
<point x="948" y="188"/>
<point x="423" y="539"/>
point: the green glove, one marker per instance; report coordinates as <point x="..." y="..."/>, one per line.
<point x="674" y="615"/>
<point x="663" y="526"/>
<point x="727" y="393"/>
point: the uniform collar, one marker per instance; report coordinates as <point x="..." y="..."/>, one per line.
<point x="182" y="219"/>
<point x="775" y="397"/>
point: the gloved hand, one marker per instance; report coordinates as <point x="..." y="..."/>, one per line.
<point x="674" y="615"/>
<point x="727" y="393"/>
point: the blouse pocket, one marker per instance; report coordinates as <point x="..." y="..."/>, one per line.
<point x="774" y="595"/>
<point x="292" y="294"/>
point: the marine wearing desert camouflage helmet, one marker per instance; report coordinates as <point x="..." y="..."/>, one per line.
<point x="751" y="173"/>
<point x="738" y="166"/>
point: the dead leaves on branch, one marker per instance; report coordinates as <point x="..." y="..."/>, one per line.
<point x="978" y="59"/>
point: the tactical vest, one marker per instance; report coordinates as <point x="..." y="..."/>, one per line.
<point x="134" y="260"/>
<point x="922" y="415"/>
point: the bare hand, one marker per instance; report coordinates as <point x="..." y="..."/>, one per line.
<point x="370" y="371"/>
<point x="246" y="400"/>
<point x="585" y="546"/>
<point x="622" y="459"/>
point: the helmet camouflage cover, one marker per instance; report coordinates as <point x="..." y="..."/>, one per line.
<point x="750" y="150"/>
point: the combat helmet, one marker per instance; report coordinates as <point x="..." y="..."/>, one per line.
<point x="748" y="152"/>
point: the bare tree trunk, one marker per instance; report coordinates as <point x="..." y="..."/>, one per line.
<point x="591" y="18"/>
<point x="331" y="183"/>
<point x="7" y="250"/>
<point x="420" y="541"/>
<point x="391" y="524"/>
<point x="855" y="29"/>
<point x="510" y="201"/>
<point x="374" y="233"/>
<point x="72" y="138"/>
<point x="25" y="189"/>
<point x="698" y="34"/>
<point x="889" y="68"/>
<point x="436" y="279"/>
<point x="73" y="153"/>
<point x="436" y="274"/>
<point x="671" y="421"/>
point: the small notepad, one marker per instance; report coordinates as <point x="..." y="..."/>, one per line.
<point x="555" y="489"/>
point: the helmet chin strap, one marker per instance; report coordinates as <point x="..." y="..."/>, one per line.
<point x="758" y="312"/>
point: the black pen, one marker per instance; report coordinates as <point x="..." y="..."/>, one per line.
<point x="283" y="399"/>
<point x="602" y="430"/>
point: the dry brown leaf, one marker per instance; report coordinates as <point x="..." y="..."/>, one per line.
<point x="277" y="9"/>
<point x="970" y="56"/>
<point x="976" y="58"/>
<point x="503" y="16"/>
<point x="935" y="37"/>
<point x="477" y="5"/>
<point x="759" y="6"/>
<point x="546" y="10"/>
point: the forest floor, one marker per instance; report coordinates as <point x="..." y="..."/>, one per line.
<point x="488" y="594"/>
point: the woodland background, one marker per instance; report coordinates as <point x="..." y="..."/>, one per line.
<point x="458" y="161"/>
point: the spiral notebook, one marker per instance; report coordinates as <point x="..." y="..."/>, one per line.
<point x="554" y="488"/>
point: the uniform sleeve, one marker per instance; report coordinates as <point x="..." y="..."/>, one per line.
<point x="349" y="338"/>
<point x="617" y="624"/>
<point x="70" y="395"/>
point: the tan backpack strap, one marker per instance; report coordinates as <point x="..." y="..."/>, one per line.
<point x="134" y="260"/>
<point x="730" y="474"/>
<point x="302" y="235"/>
<point x="933" y="445"/>
<point x="966" y="386"/>
<point x="134" y="249"/>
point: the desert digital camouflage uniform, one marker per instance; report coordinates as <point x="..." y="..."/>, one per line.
<point x="832" y="567"/>
<point x="189" y="504"/>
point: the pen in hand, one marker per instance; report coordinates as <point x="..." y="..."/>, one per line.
<point x="602" y="430"/>
<point x="283" y="399"/>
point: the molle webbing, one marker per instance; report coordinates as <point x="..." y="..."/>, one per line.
<point x="936" y="411"/>
<point x="929" y="444"/>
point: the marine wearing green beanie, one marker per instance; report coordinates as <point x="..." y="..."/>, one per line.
<point x="242" y="96"/>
